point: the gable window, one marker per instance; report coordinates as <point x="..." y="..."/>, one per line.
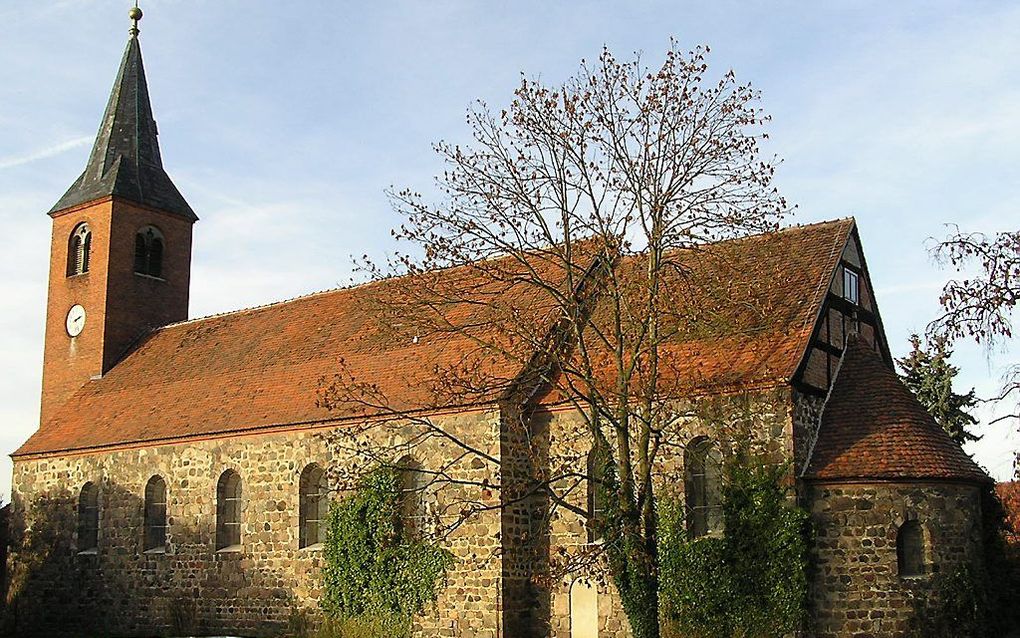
<point x="596" y="467"/>
<point x="910" y="549"/>
<point x="149" y="245"/>
<point x="228" y="511"/>
<point x="703" y="488"/>
<point x="88" y="518"/>
<point x="155" y="514"/>
<point x="79" y="247"/>
<point x="851" y="290"/>
<point x="412" y="490"/>
<point x="312" y="506"/>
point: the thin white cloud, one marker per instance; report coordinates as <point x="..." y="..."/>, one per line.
<point x="43" y="153"/>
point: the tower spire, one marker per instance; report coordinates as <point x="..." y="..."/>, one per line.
<point x="125" y="160"/>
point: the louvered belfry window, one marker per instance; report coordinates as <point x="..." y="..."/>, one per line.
<point x="149" y="244"/>
<point x="79" y="247"/>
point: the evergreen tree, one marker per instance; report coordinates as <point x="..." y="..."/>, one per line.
<point x="929" y="375"/>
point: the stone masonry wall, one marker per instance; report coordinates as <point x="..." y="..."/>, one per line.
<point x="191" y="587"/>
<point x="855" y="584"/>
<point x="807" y="417"/>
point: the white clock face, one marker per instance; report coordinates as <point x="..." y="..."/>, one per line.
<point x="75" y="320"/>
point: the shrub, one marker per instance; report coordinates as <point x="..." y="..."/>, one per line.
<point x="752" y="581"/>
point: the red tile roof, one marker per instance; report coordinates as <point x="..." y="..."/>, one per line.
<point x="262" y="368"/>
<point x="742" y="312"/>
<point x="874" y="428"/>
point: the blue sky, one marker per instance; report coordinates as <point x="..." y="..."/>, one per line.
<point x="282" y="123"/>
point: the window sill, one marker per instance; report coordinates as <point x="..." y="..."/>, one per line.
<point x="149" y="277"/>
<point x="230" y="549"/>
<point x="89" y="552"/>
<point x="314" y="547"/>
<point x="915" y="577"/>
<point x="78" y="275"/>
<point x="155" y="550"/>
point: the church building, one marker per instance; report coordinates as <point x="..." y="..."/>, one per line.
<point x="179" y="476"/>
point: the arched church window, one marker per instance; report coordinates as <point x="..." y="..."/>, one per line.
<point x="412" y="485"/>
<point x="88" y="518"/>
<point x="910" y="549"/>
<point x="228" y="511"/>
<point x="596" y="472"/>
<point x="155" y="514"/>
<point x="703" y="487"/>
<point x="312" y="506"/>
<point x="149" y="244"/>
<point x="78" y="248"/>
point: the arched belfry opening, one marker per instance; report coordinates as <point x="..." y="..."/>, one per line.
<point x="79" y="250"/>
<point x="149" y="246"/>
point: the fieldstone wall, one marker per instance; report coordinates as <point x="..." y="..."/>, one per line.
<point x="191" y="588"/>
<point x="856" y="587"/>
<point x="807" y="417"/>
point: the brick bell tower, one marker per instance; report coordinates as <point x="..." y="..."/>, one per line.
<point x="120" y="254"/>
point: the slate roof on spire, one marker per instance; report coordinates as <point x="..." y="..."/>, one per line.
<point x="874" y="428"/>
<point x="125" y="160"/>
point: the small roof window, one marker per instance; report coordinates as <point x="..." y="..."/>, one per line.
<point x="851" y="289"/>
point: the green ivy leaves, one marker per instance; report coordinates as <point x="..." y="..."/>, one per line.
<point x="751" y="582"/>
<point x="372" y="566"/>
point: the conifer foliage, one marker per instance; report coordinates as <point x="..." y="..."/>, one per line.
<point x="929" y="375"/>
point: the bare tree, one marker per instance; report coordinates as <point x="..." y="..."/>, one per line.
<point x="549" y="261"/>
<point x="981" y="306"/>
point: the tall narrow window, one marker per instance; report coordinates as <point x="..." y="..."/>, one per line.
<point x="910" y="549"/>
<point x="79" y="246"/>
<point x="149" y="252"/>
<point x="596" y="466"/>
<point x="412" y="490"/>
<point x="312" y="506"/>
<point x="228" y="511"/>
<point x="703" y="488"/>
<point x="88" y="518"/>
<point x="155" y="514"/>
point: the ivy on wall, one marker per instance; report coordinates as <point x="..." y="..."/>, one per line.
<point x="374" y="568"/>
<point x="750" y="582"/>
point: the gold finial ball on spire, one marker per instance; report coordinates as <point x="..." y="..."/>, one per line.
<point x="135" y="14"/>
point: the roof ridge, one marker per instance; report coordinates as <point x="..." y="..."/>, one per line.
<point x="363" y="284"/>
<point x="271" y="304"/>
